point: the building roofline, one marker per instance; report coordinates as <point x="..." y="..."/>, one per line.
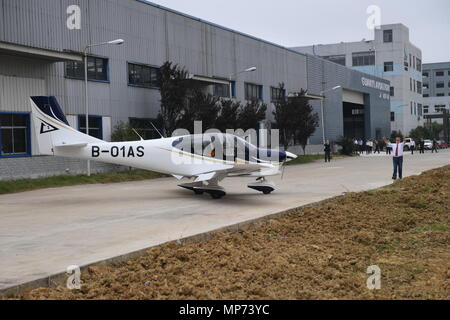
<point x="217" y="25"/>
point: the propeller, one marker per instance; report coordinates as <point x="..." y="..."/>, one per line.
<point x="283" y="166"/>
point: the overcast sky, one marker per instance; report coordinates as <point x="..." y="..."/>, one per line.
<point x="294" y="22"/>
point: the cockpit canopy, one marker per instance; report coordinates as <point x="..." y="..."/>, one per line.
<point x="227" y="147"/>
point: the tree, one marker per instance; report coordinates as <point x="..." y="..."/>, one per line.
<point x="308" y="120"/>
<point x="174" y="88"/>
<point x="295" y="119"/>
<point x="250" y="115"/>
<point x="199" y="107"/>
<point x="123" y="132"/>
<point x="435" y="130"/>
<point x="419" y="133"/>
<point x="283" y="121"/>
<point x="228" y="115"/>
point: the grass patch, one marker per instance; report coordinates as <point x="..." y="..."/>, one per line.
<point x="63" y="181"/>
<point x="435" y="227"/>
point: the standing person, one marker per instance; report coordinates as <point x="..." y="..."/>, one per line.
<point x="422" y="146"/>
<point x="376" y="147"/>
<point x="397" y="160"/>
<point x="434" y="146"/>
<point x="361" y="146"/>
<point x="388" y="146"/>
<point x="327" y="149"/>
<point x="412" y="146"/>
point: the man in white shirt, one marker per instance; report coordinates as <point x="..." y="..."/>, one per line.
<point x="397" y="151"/>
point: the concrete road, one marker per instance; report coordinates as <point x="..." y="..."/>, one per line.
<point x="42" y="232"/>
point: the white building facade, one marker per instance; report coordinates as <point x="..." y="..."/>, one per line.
<point x="436" y="88"/>
<point x="390" y="56"/>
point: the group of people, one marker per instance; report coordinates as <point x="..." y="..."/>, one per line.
<point x="396" y="149"/>
<point x="369" y="146"/>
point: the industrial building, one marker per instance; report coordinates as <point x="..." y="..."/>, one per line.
<point x="391" y="56"/>
<point x="41" y="53"/>
<point x="436" y="88"/>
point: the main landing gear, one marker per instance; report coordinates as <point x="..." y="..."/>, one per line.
<point x="218" y="192"/>
<point x="262" y="185"/>
<point x="214" y="190"/>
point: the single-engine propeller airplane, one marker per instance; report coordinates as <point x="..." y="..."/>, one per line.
<point x="203" y="159"/>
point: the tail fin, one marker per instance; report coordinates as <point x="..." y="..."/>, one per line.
<point x="51" y="127"/>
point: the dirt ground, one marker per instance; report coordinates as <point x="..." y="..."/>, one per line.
<point x="319" y="252"/>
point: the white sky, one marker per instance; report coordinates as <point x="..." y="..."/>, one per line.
<point x="295" y="22"/>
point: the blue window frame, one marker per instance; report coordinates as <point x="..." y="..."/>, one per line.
<point x="15" y="137"/>
<point x="253" y="92"/>
<point x="95" y="125"/>
<point x="233" y="89"/>
<point x="142" y="75"/>
<point x="98" y="69"/>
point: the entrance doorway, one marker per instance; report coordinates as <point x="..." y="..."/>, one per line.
<point x="354" y="125"/>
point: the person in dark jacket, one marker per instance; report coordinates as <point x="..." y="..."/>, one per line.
<point x="434" y="148"/>
<point x="422" y="146"/>
<point x="327" y="149"/>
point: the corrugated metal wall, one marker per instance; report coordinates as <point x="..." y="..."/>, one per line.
<point x="152" y="36"/>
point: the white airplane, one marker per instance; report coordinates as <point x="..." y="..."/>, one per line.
<point x="203" y="159"/>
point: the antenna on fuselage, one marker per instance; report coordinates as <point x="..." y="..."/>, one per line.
<point x="142" y="139"/>
<point x="154" y="127"/>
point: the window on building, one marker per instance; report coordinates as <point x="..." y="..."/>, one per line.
<point x="440" y="85"/>
<point x="425" y="85"/>
<point x="14" y="134"/>
<point x="392" y="91"/>
<point x="277" y="94"/>
<point x="392" y="116"/>
<point x="439" y="108"/>
<point x="145" y="129"/>
<point x="419" y="64"/>
<point x="388" y="66"/>
<point x="95" y="125"/>
<point x="387" y="36"/>
<point x="363" y="58"/>
<point x="97" y="69"/>
<point x="339" y="59"/>
<point x="410" y="60"/>
<point x="419" y="87"/>
<point x="410" y="84"/>
<point x="426" y="74"/>
<point x="425" y="109"/>
<point x="440" y="95"/>
<point x="415" y="86"/>
<point x="143" y="76"/>
<point x="419" y="110"/>
<point x="253" y="91"/>
<point x="415" y="108"/>
<point x="449" y="84"/>
<point x="426" y="95"/>
<point x="412" y="107"/>
<point x="221" y="90"/>
<point x="439" y="73"/>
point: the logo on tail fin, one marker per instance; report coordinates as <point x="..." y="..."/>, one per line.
<point x="47" y="127"/>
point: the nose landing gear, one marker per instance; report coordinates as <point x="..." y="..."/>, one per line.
<point x="262" y="185"/>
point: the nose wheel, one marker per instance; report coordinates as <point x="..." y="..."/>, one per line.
<point x="262" y="185"/>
